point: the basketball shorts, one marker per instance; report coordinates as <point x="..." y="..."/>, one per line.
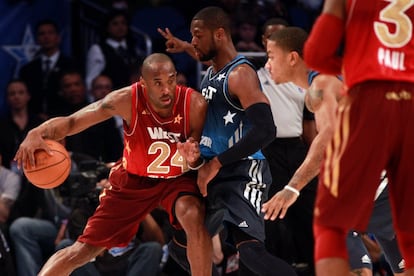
<point x="374" y="132"/>
<point x="123" y="206"/>
<point x="237" y="194"/>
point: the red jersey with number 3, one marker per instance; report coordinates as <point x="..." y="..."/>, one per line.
<point x="379" y="42"/>
<point x="150" y="142"/>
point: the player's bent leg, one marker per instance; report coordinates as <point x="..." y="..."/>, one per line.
<point x="64" y="261"/>
<point x="331" y="256"/>
<point x="190" y="212"/>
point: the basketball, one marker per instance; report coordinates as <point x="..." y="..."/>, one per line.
<point x="50" y="170"/>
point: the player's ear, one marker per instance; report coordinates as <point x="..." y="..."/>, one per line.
<point x="294" y="57"/>
<point x="142" y="81"/>
<point x="219" y="33"/>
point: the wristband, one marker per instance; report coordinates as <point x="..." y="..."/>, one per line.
<point x="293" y="190"/>
<point x="203" y="161"/>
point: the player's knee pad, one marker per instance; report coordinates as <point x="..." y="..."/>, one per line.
<point x="330" y="242"/>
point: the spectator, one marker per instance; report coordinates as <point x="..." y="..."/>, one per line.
<point x="10" y="184"/>
<point x="101" y="86"/>
<point x="18" y="122"/>
<point x="73" y="91"/>
<point x="116" y="55"/>
<point x="101" y="141"/>
<point x="15" y="126"/>
<point x="246" y="36"/>
<point x="43" y="73"/>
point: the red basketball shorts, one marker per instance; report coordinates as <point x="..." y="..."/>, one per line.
<point x="375" y="132"/>
<point x="131" y="197"/>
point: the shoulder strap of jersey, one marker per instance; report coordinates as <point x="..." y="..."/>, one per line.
<point x="187" y="108"/>
<point x="134" y="107"/>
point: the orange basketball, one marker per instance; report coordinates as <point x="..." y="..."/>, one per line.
<point x="50" y="170"/>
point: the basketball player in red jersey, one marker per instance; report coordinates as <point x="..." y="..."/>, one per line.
<point x="158" y="115"/>
<point x="376" y="118"/>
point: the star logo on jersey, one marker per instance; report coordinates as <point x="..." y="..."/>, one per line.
<point x="228" y="118"/>
<point x="178" y="119"/>
<point x="221" y="76"/>
<point x="127" y="147"/>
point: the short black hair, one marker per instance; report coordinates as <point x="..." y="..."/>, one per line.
<point x="47" y="22"/>
<point x="214" y="18"/>
<point x="290" y="39"/>
<point x="111" y="15"/>
<point x="274" y="21"/>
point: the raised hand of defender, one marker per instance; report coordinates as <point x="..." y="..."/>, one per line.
<point x="173" y="44"/>
<point x="278" y="205"/>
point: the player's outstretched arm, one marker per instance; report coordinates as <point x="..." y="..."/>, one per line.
<point x="115" y="103"/>
<point x="323" y="92"/>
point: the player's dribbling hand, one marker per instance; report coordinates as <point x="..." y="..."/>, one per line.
<point x="32" y="143"/>
<point x="278" y="205"/>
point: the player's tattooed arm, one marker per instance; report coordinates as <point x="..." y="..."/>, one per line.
<point x="313" y="98"/>
<point x="108" y="105"/>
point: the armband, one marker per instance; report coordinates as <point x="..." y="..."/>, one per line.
<point x="293" y="190"/>
<point x="203" y="161"/>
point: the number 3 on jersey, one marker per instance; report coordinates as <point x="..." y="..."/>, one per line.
<point x="394" y="13"/>
<point x="163" y="152"/>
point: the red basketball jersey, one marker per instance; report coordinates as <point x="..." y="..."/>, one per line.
<point x="379" y="42"/>
<point x="151" y="141"/>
